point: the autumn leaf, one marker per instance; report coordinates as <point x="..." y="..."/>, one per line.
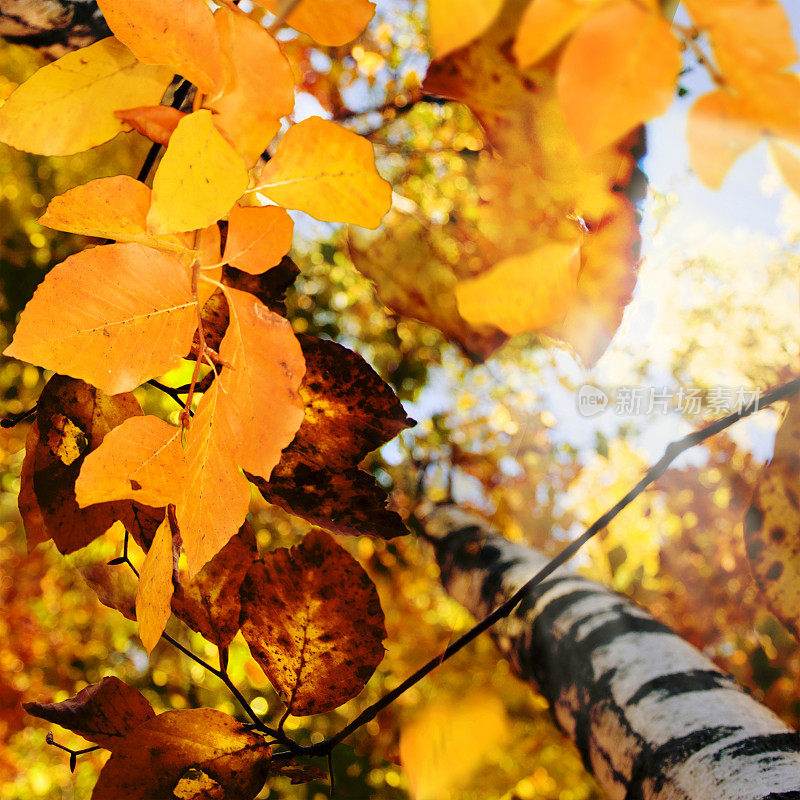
<point x="114" y="207"/>
<point x="198" y="180"/>
<point x="155" y="587"/>
<point x="523" y="293"/>
<point x="36" y="532"/>
<point x="216" y="495"/>
<point x="443" y="745"/>
<point x="249" y="111"/>
<point x="329" y="22"/>
<point x="179" y="34"/>
<point x="454" y="24"/>
<point x="258" y="238"/>
<point x="263" y="405"/>
<point x="788" y="163"/>
<point x="68" y="106"/>
<point x="142" y="459"/>
<point x="72" y="420"/>
<point x="772" y="524"/>
<point x="313" y="621"/>
<point x="349" y="411"/>
<point x="126" y="314"/>
<point x="157" y="123"/>
<point x="328" y="172"/>
<point x="151" y="761"/>
<point x="546" y="23"/>
<point x="104" y="713"/>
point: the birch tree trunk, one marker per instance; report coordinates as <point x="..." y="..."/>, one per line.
<point x="653" y="718"/>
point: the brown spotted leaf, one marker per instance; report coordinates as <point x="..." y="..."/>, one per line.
<point x="313" y="621"/>
<point x="349" y="411"/>
<point x="104" y="713"/>
<point x="153" y="759"/>
<point x="772" y="524"/>
<point x="72" y="420"/>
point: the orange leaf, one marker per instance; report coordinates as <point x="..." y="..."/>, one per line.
<point x="29" y="509"/>
<point x="114" y="207"/>
<point x="262" y="402"/>
<point x="249" y="111"/>
<point x="104" y="713"/>
<point x="198" y="180"/>
<point x="115" y="316"/>
<point x="258" y="238"/>
<point x="313" y="621"/>
<point x="177" y="33"/>
<point x="454" y="23"/>
<point x="619" y="70"/>
<point x="329" y="22"/>
<point x="154" y="758"/>
<point x="546" y="23"/>
<point x="788" y="164"/>
<point x="719" y="129"/>
<point x="141" y="460"/>
<point x="68" y="106"/>
<point x="216" y="495"/>
<point x="155" y="587"/>
<point x="328" y="172"/>
<point x="157" y="123"/>
<point x="523" y="293"/>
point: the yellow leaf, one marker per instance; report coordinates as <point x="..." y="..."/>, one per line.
<point x="454" y="23"/>
<point x="546" y="23"/>
<point x="155" y="587"/>
<point x="445" y="744"/>
<point x="141" y="459"/>
<point x="258" y="238"/>
<point x="198" y="180"/>
<point x="329" y="22"/>
<point x="249" y="111"/>
<point x="179" y="34"/>
<point x="114" y="316"/>
<point x="329" y="173"/>
<point x="788" y="164"/>
<point x="216" y="495"/>
<point x="522" y="293"/>
<point x="114" y="208"/>
<point x="157" y="123"/>
<point x="68" y="106"/>
<point x="618" y="70"/>
<point x="263" y="404"/>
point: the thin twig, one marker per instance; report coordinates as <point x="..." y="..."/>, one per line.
<point x="169" y="391"/>
<point x="689" y="36"/>
<point x="11" y="420"/>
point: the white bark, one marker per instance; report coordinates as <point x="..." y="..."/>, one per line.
<point x="654" y="719"/>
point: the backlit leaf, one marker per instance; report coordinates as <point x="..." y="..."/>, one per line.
<point x="68" y="106"/>
<point x="443" y="746"/>
<point x="329" y="22"/>
<point x="177" y="33"/>
<point x="349" y="411"/>
<point x="75" y="417"/>
<point x="454" y="23"/>
<point x="619" y="69"/>
<point x="157" y="123"/>
<point x="32" y="517"/>
<point x="155" y="587"/>
<point x="313" y="621"/>
<point x="262" y="402"/>
<point x="125" y="314"/>
<point x="104" y="713"/>
<point x="258" y="238"/>
<point x="249" y="111"/>
<point x="523" y="293"/>
<point x="198" y="180"/>
<point x="788" y="164"/>
<point x="216" y="495"/>
<point x="718" y="130"/>
<point x="328" y="172"/>
<point x="772" y="524"/>
<point x="142" y="459"/>
<point x="153" y="758"/>
<point x="114" y="208"/>
<point x="546" y="23"/>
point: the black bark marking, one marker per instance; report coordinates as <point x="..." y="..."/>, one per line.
<point x="677" y="683"/>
